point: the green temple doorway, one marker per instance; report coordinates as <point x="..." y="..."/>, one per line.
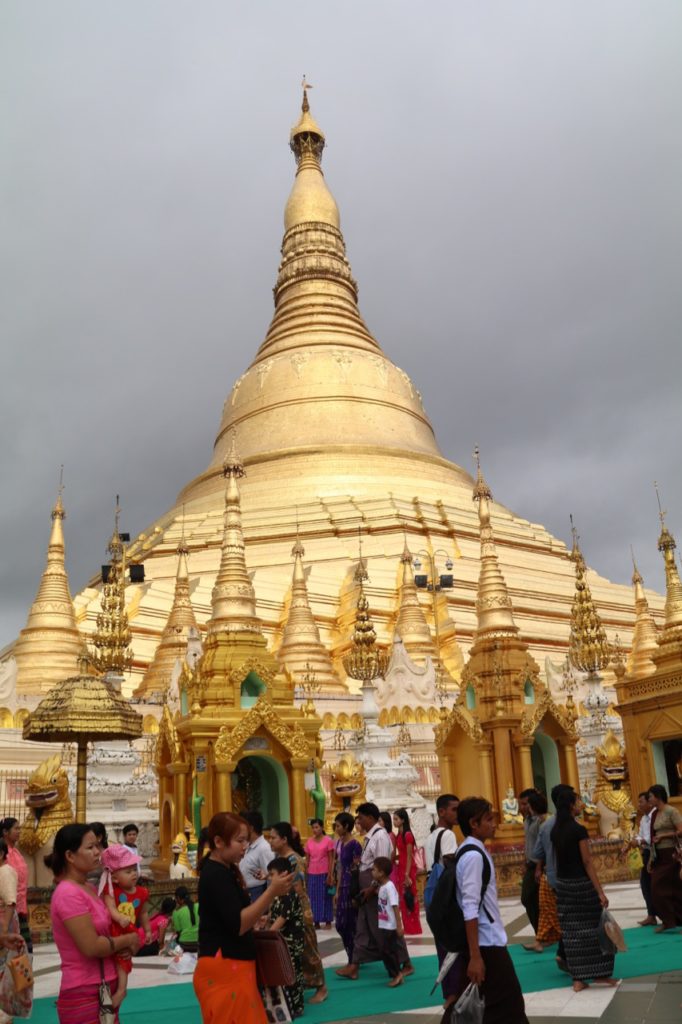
<point x="260" y="783"/>
<point x="544" y="757"/>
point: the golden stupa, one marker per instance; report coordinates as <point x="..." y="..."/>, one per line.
<point x="334" y="437"/>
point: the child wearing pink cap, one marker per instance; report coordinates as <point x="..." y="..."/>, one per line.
<point x="126" y="902"/>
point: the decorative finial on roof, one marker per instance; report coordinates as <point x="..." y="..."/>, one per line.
<point x="493" y="604"/>
<point x="411" y="625"/>
<point x="673" y="588"/>
<point x="636" y="575"/>
<point x="481" y="489"/>
<point x="645" y="636"/>
<point x="112" y="636"/>
<point x="361" y="575"/>
<point x="58" y="510"/>
<point x="232" y="463"/>
<point x="298" y="550"/>
<point x="182" y="548"/>
<point x="365" y="661"/>
<point x="305" y="106"/>
<point x="589" y="650"/>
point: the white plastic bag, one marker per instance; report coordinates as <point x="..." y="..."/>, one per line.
<point x="470" y="1006"/>
<point x="184" y="964"/>
<point x="610" y="934"/>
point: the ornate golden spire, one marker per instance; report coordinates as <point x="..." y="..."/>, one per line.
<point x="173" y="643"/>
<point x="48" y="648"/>
<point x="644" y="637"/>
<point x="411" y="625"/>
<point x="301" y="651"/>
<point x="233" y="598"/>
<point x="365" y="661"/>
<point x="588" y="648"/>
<point x="112" y="636"/>
<point x="673" y="587"/>
<point x="493" y="604"/>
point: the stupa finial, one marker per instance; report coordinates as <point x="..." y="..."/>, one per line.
<point x="365" y="661"/>
<point x="411" y="625"/>
<point x="673" y="587"/>
<point x="112" y="636"/>
<point x="305" y="85"/>
<point x="589" y="650"/>
<point x="233" y="598"/>
<point x="493" y="604"/>
<point x="644" y="636"/>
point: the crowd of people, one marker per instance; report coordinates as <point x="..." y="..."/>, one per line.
<point x="363" y="880"/>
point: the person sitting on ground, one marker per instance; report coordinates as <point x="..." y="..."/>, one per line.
<point x="185" y="920"/>
<point x="286" y="916"/>
<point x="160" y="921"/>
<point x="390" y="919"/>
<point x="487" y="962"/>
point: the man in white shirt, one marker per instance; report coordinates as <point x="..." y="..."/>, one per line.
<point x="446" y="809"/>
<point x="254" y="863"/>
<point x="643" y="843"/>
<point x="487" y="962"/>
<point x="367" y="943"/>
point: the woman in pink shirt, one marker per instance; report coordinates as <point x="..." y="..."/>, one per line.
<point x="319" y="851"/>
<point x="81" y="927"/>
<point x="10" y="833"/>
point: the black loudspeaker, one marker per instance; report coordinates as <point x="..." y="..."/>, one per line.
<point x="421" y="581"/>
<point x="446" y="582"/>
<point x="106" y="569"/>
<point x="137" y="574"/>
<point x="124" y="538"/>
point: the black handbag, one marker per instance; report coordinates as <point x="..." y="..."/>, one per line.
<point x="273" y="960"/>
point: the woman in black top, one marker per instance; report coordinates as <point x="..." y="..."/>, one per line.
<point x="580" y="897"/>
<point x="225" y="975"/>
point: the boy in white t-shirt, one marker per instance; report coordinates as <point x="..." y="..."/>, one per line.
<point x="390" y="919"/>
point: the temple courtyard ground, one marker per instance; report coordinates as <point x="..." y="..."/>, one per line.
<point x="650" y="990"/>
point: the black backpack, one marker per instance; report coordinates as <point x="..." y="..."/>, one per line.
<point x="444" y="914"/>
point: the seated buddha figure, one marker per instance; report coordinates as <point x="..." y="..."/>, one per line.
<point x="510" y="809"/>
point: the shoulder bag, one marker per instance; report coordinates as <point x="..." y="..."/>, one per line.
<point x="273" y="960"/>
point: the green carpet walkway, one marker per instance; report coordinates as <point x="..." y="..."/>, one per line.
<point x="175" y="1004"/>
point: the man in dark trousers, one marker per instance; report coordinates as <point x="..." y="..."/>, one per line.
<point x="487" y="962"/>
<point x="367" y="944"/>
<point x="530" y="890"/>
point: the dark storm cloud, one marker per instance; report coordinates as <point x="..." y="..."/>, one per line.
<point x="509" y="183"/>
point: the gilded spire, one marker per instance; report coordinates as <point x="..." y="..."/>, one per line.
<point x="411" y="625"/>
<point x="644" y="637"/>
<point x="301" y="650"/>
<point x="233" y="598"/>
<point x="48" y="648"/>
<point x="673" y="587"/>
<point x="112" y="636"/>
<point x="588" y="649"/>
<point x="493" y="604"/>
<point x="365" y="661"/>
<point x="173" y="643"/>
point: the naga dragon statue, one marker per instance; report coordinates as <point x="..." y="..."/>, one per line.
<point x="611" y="793"/>
<point x="49" y="804"/>
<point x="347" y="786"/>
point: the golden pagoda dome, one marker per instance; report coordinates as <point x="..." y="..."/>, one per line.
<point x="328" y="426"/>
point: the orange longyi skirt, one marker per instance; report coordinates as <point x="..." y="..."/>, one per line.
<point x="227" y="991"/>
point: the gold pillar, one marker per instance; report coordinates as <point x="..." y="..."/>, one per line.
<point x="447" y="773"/>
<point x="504" y="768"/>
<point x="224" y="785"/>
<point x="525" y="765"/>
<point x="487" y="784"/>
<point x="179" y="773"/>
<point x="299" y="816"/>
<point x="571" y="761"/>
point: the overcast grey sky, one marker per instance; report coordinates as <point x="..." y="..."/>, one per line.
<point x="508" y="176"/>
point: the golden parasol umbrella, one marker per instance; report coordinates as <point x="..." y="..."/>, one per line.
<point x="79" y="710"/>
